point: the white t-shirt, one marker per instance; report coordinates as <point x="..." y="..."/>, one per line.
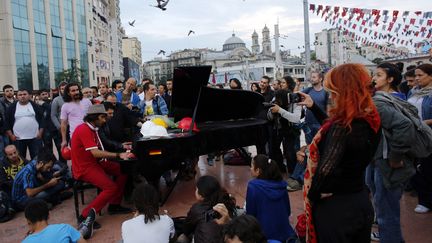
<point x="417" y="102"/>
<point x="26" y="125"/>
<point x="160" y="231"/>
<point x="141" y="96"/>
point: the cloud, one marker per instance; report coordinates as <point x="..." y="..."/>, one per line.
<point x="214" y="21"/>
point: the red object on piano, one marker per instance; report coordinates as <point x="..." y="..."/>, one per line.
<point x="132" y="156"/>
<point x="66" y="153"/>
<point x="185" y="124"/>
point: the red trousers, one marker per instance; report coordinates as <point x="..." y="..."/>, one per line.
<point x="112" y="191"/>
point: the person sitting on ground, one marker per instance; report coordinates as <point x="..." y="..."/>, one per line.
<point x="199" y="227"/>
<point x="37" y="214"/>
<point x="26" y="185"/>
<point x="9" y="168"/>
<point x="147" y="225"/>
<point x="267" y="199"/>
<point x="244" y="229"/>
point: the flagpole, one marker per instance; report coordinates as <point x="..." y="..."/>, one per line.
<point x="307" y="38"/>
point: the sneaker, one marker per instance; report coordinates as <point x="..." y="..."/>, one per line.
<point x="86" y="227"/>
<point x="117" y="209"/>
<point x="375" y="236"/>
<point x="293" y="185"/>
<point x="421" y="209"/>
<point x="96" y="224"/>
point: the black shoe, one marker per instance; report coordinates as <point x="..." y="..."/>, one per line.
<point x="86" y="227"/>
<point x="96" y="225"/>
<point x="117" y="209"/>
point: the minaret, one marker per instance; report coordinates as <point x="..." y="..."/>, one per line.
<point x="279" y="68"/>
<point x="266" y="43"/>
<point x="255" y="44"/>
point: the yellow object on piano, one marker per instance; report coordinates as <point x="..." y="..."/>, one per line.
<point x="160" y="122"/>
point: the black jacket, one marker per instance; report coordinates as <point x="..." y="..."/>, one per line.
<point x="123" y="118"/>
<point x="10" y="115"/>
<point x="108" y="142"/>
<point x="203" y="232"/>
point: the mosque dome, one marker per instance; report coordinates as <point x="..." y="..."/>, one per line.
<point x="232" y="43"/>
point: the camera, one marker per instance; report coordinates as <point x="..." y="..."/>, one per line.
<point x="268" y="104"/>
<point x="294" y="98"/>
<point x="211" y="215"/>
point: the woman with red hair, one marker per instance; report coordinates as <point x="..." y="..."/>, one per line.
<point x="337" y="204"/>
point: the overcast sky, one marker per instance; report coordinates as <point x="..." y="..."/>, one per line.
<point x="215" y="20"/>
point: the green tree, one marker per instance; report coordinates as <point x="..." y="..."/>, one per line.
<point x="74" y="74"/>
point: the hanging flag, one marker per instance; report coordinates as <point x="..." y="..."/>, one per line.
<point x="395" y="13"/>
<point x="421" y="21"/>
<point x="405" y="13"/>
<point x="336" y="9"/>
<point x="418" y="12"/>
<point x="412" y="21"/>
<point x="370" y="24"/>
<point x="429" y="22"/>
<point x="363" y="22"/>
<point x="385" y="12"/>
<point x="320" y="7"/>
<point x="344" y="11"/>
<point x="312" y="7"/>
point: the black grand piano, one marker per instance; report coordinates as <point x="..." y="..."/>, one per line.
<point x="226" y="119"/>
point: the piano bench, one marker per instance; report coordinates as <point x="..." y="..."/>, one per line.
<point x="79" y="187"/>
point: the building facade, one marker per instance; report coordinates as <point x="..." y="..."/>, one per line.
<point x="235" y="60"/>
<point x="116" y="35"/>
<point x="131" y="47"/>
<point x="40" y="39"/>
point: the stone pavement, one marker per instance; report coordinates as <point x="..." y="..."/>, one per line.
<point x="416" y="228"/>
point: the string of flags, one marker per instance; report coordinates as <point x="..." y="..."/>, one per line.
<point x="403" y="28"/>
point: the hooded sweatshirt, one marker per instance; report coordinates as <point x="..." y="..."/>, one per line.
<point x="268" y="201"/>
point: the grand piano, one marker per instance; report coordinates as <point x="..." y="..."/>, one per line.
<point x="226" y="119"/>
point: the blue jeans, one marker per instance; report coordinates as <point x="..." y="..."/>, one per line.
<point x="313" y="131"/>
<point x="299" y="171"/>
<point x="387" y="206"/>
<point x="32" y="144"/>
<point x="51" y="195"/>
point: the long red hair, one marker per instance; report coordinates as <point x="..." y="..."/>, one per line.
<point x="349" y="85"/>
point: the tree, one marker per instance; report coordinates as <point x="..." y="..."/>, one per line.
<point x="74" y="74"/>
<point x="377" y="60"/>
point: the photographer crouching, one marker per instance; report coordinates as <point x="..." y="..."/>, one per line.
<point x="285" y="115"/>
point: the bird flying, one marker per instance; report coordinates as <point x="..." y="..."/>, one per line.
<point x="162" y="4"/>
<point x="191" y="32"/>
<point x="161" y="52"/>
<point x="132" y="23"/>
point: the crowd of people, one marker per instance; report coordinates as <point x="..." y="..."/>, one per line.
<point x="358" y="158"/>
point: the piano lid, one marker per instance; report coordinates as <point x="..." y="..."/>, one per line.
<point x="214" y="104"/>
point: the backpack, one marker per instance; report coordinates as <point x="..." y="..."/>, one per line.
<point x="421" y="147"/>
<point x="6" y="211"/>
<point x="237" y="156"/>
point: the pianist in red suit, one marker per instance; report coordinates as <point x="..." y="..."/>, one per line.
<point x="90" y="163"/>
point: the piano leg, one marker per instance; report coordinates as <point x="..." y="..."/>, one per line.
<point x="187" y="172"/>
